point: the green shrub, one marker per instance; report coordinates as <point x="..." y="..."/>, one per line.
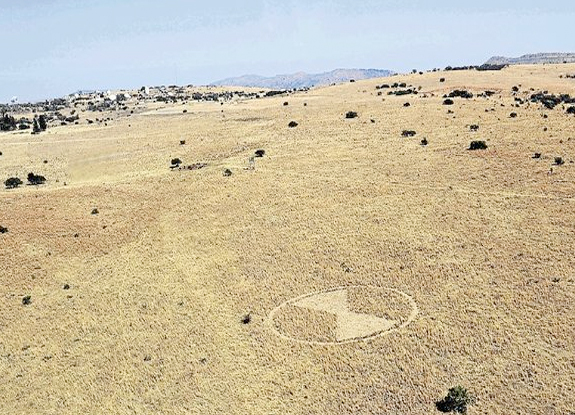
<point x="456" y="400"/>
<point x="12" y="183"/>
<point x="477" y="145"/>
<point x="35" y="179"/>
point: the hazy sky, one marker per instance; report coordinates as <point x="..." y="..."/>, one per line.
<point x="54" y="47"/>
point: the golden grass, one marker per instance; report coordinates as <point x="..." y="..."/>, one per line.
<point x="160" y="278"/>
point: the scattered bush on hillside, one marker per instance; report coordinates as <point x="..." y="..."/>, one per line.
<point x="7" y="123"/>
<point x="559" y="161"/>
<point x="95" y="211"/>
<point x="27" y="300"/>
<point x="474" y="127"/>
<point x="477" y="145"/>
<point x="441" y="79"/>
<point x="460" y="93"/>
<point x="351" y="114"/>
<point x="570" y="110"/>
<point x="3" y="229"/>
<point x="456" y="400"/>
<point x="182" y="142"/>
<point x="175" y="163"/>
<point x="36" y="127"/>
<point x="227" y="173"/>
<point x="408" y="133"/>
<point x="292" y="124"/>
<point x="513" y="115"/>
<point x="447" y="101"/>
<point x="12" y="183"/>
<point x="424" y="142"/>
<point x="260" y="153"/>
<point x="536" y="156"/>
<point x="246" y="319"/>
<point x="286" y="104"/>
<point x="35" y="179"/>
<point x="407" y="104"/>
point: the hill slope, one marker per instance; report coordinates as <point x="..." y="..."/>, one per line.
<point x="302" y="79"/>
<point x="533" y="58"/>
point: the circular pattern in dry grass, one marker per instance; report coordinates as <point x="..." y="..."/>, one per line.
<point x="343" y="315"/>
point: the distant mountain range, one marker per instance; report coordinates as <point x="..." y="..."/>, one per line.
<point x="534" y="58"/>
<point x="302" y="79"/>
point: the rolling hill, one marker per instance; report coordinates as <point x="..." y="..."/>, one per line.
<point x="302" y="79"/>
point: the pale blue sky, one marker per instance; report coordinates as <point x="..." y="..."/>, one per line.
<point x="54" y="47"/>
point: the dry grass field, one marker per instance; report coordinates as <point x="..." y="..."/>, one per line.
<point x="161" y="281"/>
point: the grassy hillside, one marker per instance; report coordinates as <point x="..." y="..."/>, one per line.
<point x="194" y="292"/>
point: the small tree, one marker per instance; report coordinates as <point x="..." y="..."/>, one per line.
<point x="351" y="114"/>
<point x="42" y="122"/>
<point x="456" y="400"/>
<point x="176" y="162"/>
<point x="35" y="126"/>
<point x="12" y="183"/>
<point x="477" y="145"/>
<point x="35" y="179"/>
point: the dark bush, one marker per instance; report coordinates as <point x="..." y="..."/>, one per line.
<point x="447" y="101"/>
<point x="260" y="153"/>
<point x="441" y="79"/>
<point x="286" y="104"/>
<point x="292" y="124"/>
<point x="176" y="162"/>
<point x="536" y="156"/>
<point x="36" y="127"/>
<point x="456" y="400"/>
<point x="35" y="179"/>
<point x="227" y="172"/>
<point x="351" y="114"/>
<point x="42" y="122"/>
<point x="559" y="161"/>
<point x="474" y="127"/>
<point x="460" y="93"/>
<point x="7" y="123"/>
<point x="3" y="229"/>
<point x="407" y="104"/>
<point x="477" y="145"/>
<point x="515" y="89"/>
<point x="27" y="300"/>
<point x="95" y="211"/>
<point x="424" y="142"/>
<point x="246" y="319"/>
<point x="513" y="115"/>
<point x="182" y="142"/>
<point x="408" y="133"/>
<point x="12" y="182"/>
<point x="570" y="110"/>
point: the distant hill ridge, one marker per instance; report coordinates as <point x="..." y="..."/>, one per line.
<point x="302" y="79"/>
<point x="534" y="58"/>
